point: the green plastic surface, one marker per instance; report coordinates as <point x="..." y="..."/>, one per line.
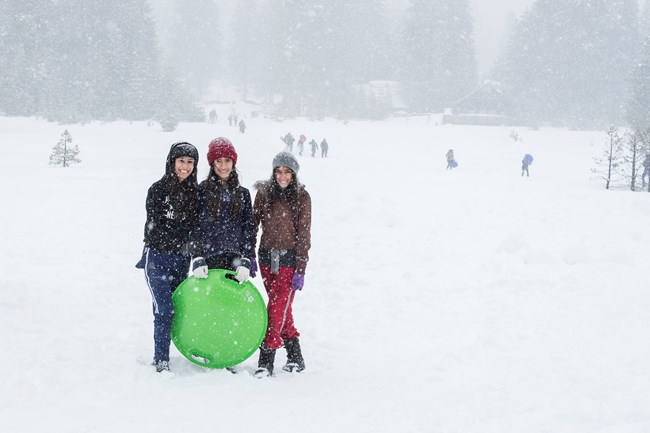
<point x="218" y="322"/>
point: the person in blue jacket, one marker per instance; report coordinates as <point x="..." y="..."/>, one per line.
<point x="525" y="162"/>
<point x="225" y="235"/>
<point x="172" y="218"/>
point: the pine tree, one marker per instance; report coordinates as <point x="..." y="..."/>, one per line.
<point x="568" y="62"/>
<point x="196" y="24"/>
<point x="439" y="66"/>
<point x="26" y="34"/>
<point x="248" y="54"/>
<point x="638" y="104"/>
<point x="644" y="20"/>
<point x="308" y="52"/>
<point x="63" y="153"/>
<point x="76" y="61"/>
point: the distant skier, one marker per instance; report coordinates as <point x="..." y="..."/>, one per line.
<point x="314" y="147"/>
<point x="301" y="143"/>
<point x="528" y="159"/>
<point x="242" y="126"/>
<point x="324" y="147"/>
<point x="451" y="162"/>
<point x="288" y="140"/>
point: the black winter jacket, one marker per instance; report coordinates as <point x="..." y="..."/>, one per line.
<point x="172" y="216"/>
<point x="172" y="207"/>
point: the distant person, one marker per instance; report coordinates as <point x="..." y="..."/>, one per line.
<point x="213" y="115"/>
<point x="324" y="147"/>
<point x="451" y="162"/>
<point x="231" y="117"/>
<point x="288" y="140"/>
<point x="646" y="170"/>
<point x="242" y="126"/>
<point x="301" y="143"/>
<point x="314" y="147"/>
<point x="528" y="159"/>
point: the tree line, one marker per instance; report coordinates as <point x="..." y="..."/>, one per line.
<point x="575" y="63"/>
<point x="77" y="60"/>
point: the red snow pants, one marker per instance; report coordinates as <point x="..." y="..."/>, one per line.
<point x="280" y="316"/>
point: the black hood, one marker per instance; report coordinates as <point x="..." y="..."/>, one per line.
<point x="179" y="149"/>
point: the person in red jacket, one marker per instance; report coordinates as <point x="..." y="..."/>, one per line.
<point x="282" y="209"/>
<point x="301" y="143"/>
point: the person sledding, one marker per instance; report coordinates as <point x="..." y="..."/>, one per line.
<point x="451" y="162"/>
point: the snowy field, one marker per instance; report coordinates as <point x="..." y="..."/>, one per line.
<point x="464" y="301"/>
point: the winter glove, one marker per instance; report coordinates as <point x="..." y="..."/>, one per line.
<point x="199" y="268"/>
<point x="242" y="274"/>
<point x="297" y="281"/>
<point x="253" y="267"/>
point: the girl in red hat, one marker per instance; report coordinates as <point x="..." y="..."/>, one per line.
<point x="225" y="217"/>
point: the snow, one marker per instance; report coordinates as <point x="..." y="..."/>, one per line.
<point x="464" y="301"/>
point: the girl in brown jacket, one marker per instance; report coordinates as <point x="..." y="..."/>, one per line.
<point x="283" y="210"/>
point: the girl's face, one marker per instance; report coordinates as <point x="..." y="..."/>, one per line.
<point x="283" y="176"/>
<point x="183" y="167"/>
<point x="222" y="168"/>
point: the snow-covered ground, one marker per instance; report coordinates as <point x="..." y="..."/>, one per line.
<point x="464" y="301"/>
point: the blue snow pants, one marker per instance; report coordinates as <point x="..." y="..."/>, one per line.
<point x="163" y="272"/>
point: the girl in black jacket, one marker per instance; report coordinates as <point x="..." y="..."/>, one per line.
<point x="172" y="217"/>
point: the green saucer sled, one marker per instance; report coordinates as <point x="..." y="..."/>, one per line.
<point x="218" y="322"/>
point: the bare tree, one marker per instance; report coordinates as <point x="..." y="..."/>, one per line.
<point x="608" y="164"/>
<point x="635" y="147"/>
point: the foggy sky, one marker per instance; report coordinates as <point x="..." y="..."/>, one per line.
<point x="489" y="21"/>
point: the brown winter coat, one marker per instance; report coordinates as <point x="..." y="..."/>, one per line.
<point x="280" y="229"/>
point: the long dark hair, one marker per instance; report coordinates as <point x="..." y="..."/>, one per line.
<point x="214" y="190"/>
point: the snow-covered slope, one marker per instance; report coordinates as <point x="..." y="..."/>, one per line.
<point x="464" y="301"/>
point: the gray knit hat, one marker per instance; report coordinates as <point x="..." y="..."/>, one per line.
<point x="286" y="159"/>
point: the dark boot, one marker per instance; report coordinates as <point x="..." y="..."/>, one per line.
<point x="161" y="366"/>
<point x="265" y="364"/>
<point x="295" y="361"/>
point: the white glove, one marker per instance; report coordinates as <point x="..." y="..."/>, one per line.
<point x="242" y="274"/>
<point x="199" y="268"/>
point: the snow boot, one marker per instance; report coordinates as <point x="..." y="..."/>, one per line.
<point x="265" y="364"/>
<point x="161" y="366"/>
<point x="295" y="362"/>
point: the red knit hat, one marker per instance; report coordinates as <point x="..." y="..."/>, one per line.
<point x="221" y="147"/>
